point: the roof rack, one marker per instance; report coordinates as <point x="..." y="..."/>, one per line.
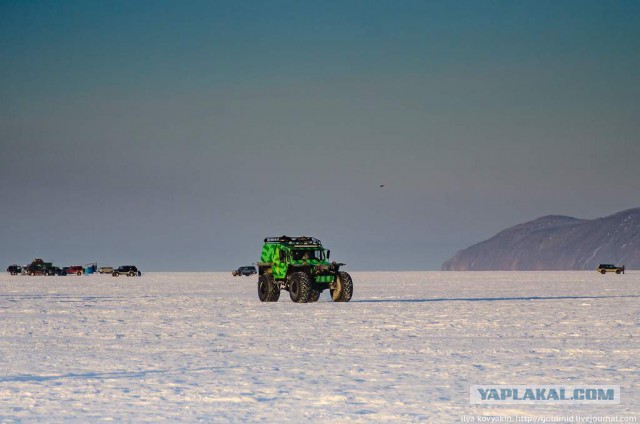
<point x="294" y="241"/>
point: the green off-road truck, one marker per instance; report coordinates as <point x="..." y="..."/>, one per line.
<point x="301" y="266"/>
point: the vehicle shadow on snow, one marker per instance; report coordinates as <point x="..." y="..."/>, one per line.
<point x="489" y="299"/>
<point x="102" y="375"/>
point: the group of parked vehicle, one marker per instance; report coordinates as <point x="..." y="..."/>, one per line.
<point x="40" y="267"/>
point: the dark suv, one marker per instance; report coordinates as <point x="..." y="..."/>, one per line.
<point x="14" y="269"/>
<point x="244" y="270"/>
<point x="128" y="270"/>
<point x="53" y="270"/>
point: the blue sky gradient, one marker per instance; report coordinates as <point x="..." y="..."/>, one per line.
<point x="176" y="135"/>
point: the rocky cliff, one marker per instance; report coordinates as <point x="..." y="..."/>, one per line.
<point x="556" y="243"/>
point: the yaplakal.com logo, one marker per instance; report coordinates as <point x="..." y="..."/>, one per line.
<point x="556" y="394"/>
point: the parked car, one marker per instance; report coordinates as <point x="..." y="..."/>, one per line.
<point x="53" y="270"/>
<point x="604" y="268"/>
<point x="128" y="270"/>
<point x="244" y="270"/>
<point x="74" y="269"/>
<point x="14" y="269"/>
<point x="105" y="270"/>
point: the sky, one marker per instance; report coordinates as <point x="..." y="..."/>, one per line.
<point x="176" y="135"/>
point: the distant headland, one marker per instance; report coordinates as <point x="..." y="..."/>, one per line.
<point x="556" y="243"/>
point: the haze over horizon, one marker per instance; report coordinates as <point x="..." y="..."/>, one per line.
<point x="177" y="135"/>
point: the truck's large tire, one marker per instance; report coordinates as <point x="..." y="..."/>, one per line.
<point x="300" y="287"/>
<point x="344" y="288"/>
<point x="314" y="295"/>
<point x="268" y="290"/>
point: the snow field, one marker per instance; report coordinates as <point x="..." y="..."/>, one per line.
<point x="201" y="346"/>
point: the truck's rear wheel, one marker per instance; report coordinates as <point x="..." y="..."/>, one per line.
<point x="344" y="288"/>
<point x="268" y="290"/>
<point x="300" y="287"/>
<point x="314" y="295"/>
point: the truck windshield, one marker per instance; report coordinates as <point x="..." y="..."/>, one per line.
<point x="299" y="255"/>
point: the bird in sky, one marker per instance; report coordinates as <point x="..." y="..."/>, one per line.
<point x="381" y="185"/>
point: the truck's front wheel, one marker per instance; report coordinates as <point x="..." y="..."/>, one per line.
<point x="268" y="290"/>
<point x="344" y="288"/>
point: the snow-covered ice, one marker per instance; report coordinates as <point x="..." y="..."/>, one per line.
<point x="201" y="346"/>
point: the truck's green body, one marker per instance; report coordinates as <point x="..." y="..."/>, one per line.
<point x="292" y="262"/>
